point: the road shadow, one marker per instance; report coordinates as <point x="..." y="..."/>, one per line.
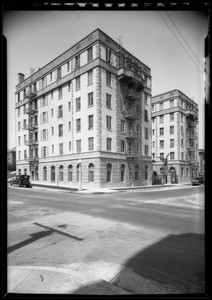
<point x="174" y="265"/>
<point x="38" y="235"/>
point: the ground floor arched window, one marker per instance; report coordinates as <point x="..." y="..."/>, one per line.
<point x="136" y="172"/>
<point x="109" y="172"/>
<point x="78" y="172"/>
<point x="53" y="173"/>
<point x="70" y="173"/>
<point x="61" y="173"/>
<point x="91" y="173"/>
<point x="122" y="172"/>
<point x="44" y="173"/>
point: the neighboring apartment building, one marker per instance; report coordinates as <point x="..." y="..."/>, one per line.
<point x="11" y="158"/>
<point x="201" y="162"/>
<point x="84" y="118"/>
<point x="175" y="136"/>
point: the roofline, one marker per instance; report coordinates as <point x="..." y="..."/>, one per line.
<point x="174" y="91"/>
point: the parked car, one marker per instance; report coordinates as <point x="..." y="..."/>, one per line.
<point x="21" y="181"/>
<point x="197" y="181"/>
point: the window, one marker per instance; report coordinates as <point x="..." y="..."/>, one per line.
<point x="122" y="172"/>
<point x="52" y="112"/>
<point x="153" y="144"/>
<point x="61" y="173"/>
<point x="59" y="73"/>
<point x="44" y="135"/>
<point x="78" y="125"/>
<point x="44" y="117"/>
<point x="60" y="92"/>
<point x="136" y="172"/>
<point x="161" y="106"/>
<point x="78" y="143"/>
<point x="78" y="104"/>
<point x="78" y="172"/>
<point x="60" y="129"/>
<point x="51" y="94"/>
<point x="182" y="155"/>
<point x="18" y="111"/>
<point x="153" y="120"/>
<point x="69" y="105"/>
<point x="52" y="173"/>
<point x="90" y="77"/>
<point x="161" y="144"/>
<point x="122" y="146"/>
<point x="182" y="143"/>
<point x="171" y="103"/>
<point x="108" y="122"/>
<point x="60" y="111"/>
<point x="171" y="155"/>
<point x="162" y="155"/>
<point x="108" y="78"/>
<point x="146" y="133"/>
<point x="43" y="149"/>
<point x="182" y="117"/>
<point x="146" y="119"/>
<point x="68" y="66"/>
<point x="25" y="138"/>
<point x="161" y="119"/>
<point x="50" y="76"/>
<point x="90" y="99"/>
<point x="109" y="142"/>
<point x="25" y="171"/>
<point x="122" y="125"/>
<point x="70" y="173"/>
<point x="19" y="126"/>
<point x="90" y="54"/>
<point x="69" y="125"/>
<point x="77" y="61"/>
<point x="109" y="172"/>
<point x="91" y="173"/>
<point x="108" y="100"/>
<point x="90" y="122"/>
<point x="145" y="99"/>
<point x="19" y="154"/>
<point x="69" y="146"/>
<point x="52" y="149"/>
<point x="44" y="173"/>
<point x="146" y="150"/>
<point x="171" y="143"/>
<point x="171" y="116"/>
<point x="78" y="83"/>
<point x="182" y="131"/>
<point x="146" y="172"/>
<point x="153" y="107"/>
<point x="90" y="144"/>
<point x="153" y="131"/>
<point x="108" y="55"/>
<point x="25" y="154"/>
<point x="171" y="129"/>
<point x="69" y="86"/>
<point x="61" y="149"/>
<point x="18" y="97"/>
<point x="52" y="130"/>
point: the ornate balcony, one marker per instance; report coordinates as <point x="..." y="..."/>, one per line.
<point x="131" y="114"/>
<point x="30" y="94"/>
<point x="128" y="75"/>
<point x="32" y="158"/>
<point x="31" y="142"/>
<point x="132" y="94"/>
<point x="31" y="126"/>
<point x="31" y="110"/>
<point x="131" y="153"/>
<point x="131" y="134"/>
<point x="191" y="114"/>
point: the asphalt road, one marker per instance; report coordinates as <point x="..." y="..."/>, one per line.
<point x="158" y="233"/>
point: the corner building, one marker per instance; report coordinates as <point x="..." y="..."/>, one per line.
<point x="84" y="117"/>
<point x="175" y="137"/>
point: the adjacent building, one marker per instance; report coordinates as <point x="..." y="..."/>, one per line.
<point x="174" y="137"/>
<point x="202" y="162"/>
<point x="84" y="119"/>
<point x="11" y="159"/>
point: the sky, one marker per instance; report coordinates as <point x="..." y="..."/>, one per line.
<point x="172" y="45"/>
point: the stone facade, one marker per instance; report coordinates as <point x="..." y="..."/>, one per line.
<point x="76" y="118"/>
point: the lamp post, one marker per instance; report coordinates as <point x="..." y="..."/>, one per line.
<point x="80" y="174"/>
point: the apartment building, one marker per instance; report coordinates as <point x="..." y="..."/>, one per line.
<point x="202" y="162"/>
<point x="174" y="137"/>
<point x="84" y="118"/>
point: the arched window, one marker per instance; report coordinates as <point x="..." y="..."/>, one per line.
<point x="78" y="172"/>
<point x="91" y="173"/>
<point x="186" y="172"/>
<point x="122" y="172"/>
<point x="146" y="172"/>
<point x="53" y="173"/>
<point x="44" y="173"/>
<point x="136" y="172"/>
<point x="109" y="172"/>
<point x="182" y="172"/>
<point x="70" y="173"/>
<point x="61" y="173"/>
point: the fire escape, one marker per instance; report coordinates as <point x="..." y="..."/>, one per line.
<point x="32" y="127"/>
<point x="191" y="122"/>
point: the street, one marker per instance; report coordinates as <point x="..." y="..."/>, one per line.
<point x="159" y="234"/>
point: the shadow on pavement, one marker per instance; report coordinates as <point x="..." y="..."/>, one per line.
<point x="38" y="235"/>
<point x="175" y="263"/>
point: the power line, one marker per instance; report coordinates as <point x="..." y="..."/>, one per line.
<point x="185" y="40"/>
<point x="179" y="41"/>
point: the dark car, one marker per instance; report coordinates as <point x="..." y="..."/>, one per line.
<point x="21" y="181"/>
<point x="197" y="181"/>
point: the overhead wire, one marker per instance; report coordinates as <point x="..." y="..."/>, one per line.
<point x="179" y="41"/>
<point x="184" y="39"/>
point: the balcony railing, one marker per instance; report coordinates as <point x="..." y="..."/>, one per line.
<point x="31" y="94"/>
<point x="31" y="126"/>
<point x="191" y="113"/>
<point x="131" y="114"/>
<point x="128" y="74"/>
<point x="31" y="142"/>
<point x="131" y="134"/>
<point x="31" y="110"/>
<point x="131" y="153"/>
<point x="132" y="94"/>
<point x="190" y="148"/>
<point x="32" y="158"/>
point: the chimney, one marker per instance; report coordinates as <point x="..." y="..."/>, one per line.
<point x="21" y="77"/>
<point x="32" y="71"/>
